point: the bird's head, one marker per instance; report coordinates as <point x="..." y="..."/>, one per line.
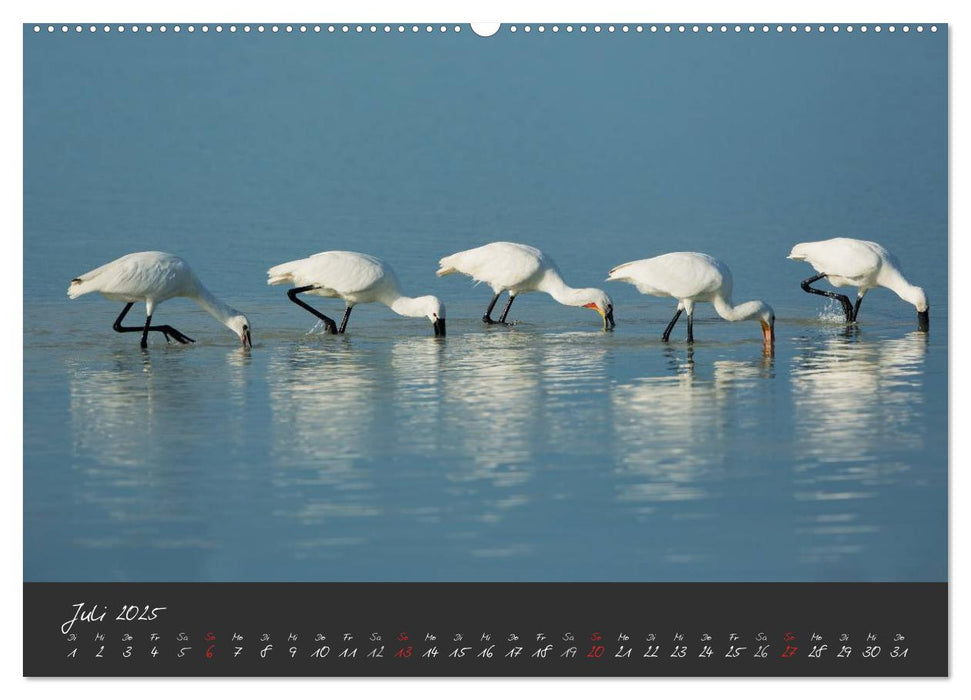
<point x="767" y="319"/>
<point x="920" y="303"/>
<point x="434" y="310"/>
<point x="598" y="300"/>
<point x="239" y="325"/>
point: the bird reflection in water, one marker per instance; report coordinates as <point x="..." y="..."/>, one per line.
<point x="416" y="393"/>
<point x="857" y="408"/>
<point x="492" y="396"/>
<point x="326" y="430"/>
<point x="515" y="408"/>
<point x="681" y="433"/>
<point x="574" y="376"/>
<point x="134" y="421"/>
<point x="324" y="402"/>
<point x="112" y="409"/>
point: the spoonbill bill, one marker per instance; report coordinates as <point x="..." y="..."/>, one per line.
<point x="848" y="262"/>
<point x="691" y="278"/>
<point x="517" y="269"/>
<point x="357" y="279"/>
<point x="155" y="277"/>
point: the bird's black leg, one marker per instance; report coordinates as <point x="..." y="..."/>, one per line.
<point x="691" y="319"/>
<point x="164" y="330"/>
<point x="856" y="307"/>
<point x="117" y="324"/>
<point x="842" y="298"/>
<point x="328" y="322"/>
<point x="505" y="311"/>
<point x="487" y="316"/>
<point x="148" y="324"/>
<point x="347" y="315"/>
<point x="667" y="331"/>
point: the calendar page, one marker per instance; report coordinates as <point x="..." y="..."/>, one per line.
<point x="544" y="349"/>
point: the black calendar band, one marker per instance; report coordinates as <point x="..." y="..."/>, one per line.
<point x="475" y="629"/>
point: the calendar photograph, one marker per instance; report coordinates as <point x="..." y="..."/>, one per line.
<point x="518" y="305"/>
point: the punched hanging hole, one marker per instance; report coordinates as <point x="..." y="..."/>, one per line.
<point x="485" y="28"/>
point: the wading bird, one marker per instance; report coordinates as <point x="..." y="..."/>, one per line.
<point x="517" y="269"/>
<point x="357" y="279"/>
<point x="154" y="277"/>
<point x="848" y="262"/>
<point x="690" y="278"/>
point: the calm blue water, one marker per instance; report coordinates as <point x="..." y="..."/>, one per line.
<point x="544" y="451"/>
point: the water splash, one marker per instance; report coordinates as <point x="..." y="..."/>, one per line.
<point x="832" y="312"/>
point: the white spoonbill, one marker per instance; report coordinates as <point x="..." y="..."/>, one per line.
<point x="154" y="277"/>
<point x="848" y="262"/>
<point x="517" y="269"/>
<point x="690" y="278"/>
<point x="357" y="279"/>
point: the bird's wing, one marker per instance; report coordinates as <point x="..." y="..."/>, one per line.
<point x="498" y="264"/>
<point x="137" y="274"/>
<point x="343" y="272"/>
<point x="842" y="257"/>
<point x="678" y="275"/>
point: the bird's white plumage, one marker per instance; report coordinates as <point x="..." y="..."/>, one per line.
<point x="519" y="269"/>
<point x="356" y="278"/>
<point x="693" y="276"/>
<point x="849" y="262"/>
<point x="154" y="277"/>
<point x="151" y="276"/>
<point x="512" y="267"/>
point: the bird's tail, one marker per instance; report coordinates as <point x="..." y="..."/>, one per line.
<point x="619" y="273"/>
<point x="798" y="252"/>
<point x="77" y="288"/>
<point x="447" y="265"/>
<point x="85" y="283"/>
<point x="280" y="274"/>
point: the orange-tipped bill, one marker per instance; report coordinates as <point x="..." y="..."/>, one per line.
<point x="768" y="334"/>
<point x="607" y="316"/>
